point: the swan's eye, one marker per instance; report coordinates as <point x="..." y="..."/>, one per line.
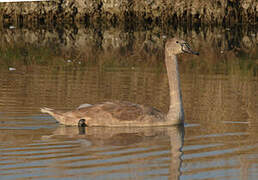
<point x="176" y="41"/>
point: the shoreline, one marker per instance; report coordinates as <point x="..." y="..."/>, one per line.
<point x="131" y="13"/>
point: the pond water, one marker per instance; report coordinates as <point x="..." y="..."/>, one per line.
<point x="63" y="68"/>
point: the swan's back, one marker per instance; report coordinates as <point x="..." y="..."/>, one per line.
<point x="121" y="114"/>
<point x="112" y="114"/>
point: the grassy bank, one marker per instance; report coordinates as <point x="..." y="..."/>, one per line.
<point x="131" y="12"/>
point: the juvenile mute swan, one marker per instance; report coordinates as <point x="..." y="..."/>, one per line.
<point x="129" y="114"/>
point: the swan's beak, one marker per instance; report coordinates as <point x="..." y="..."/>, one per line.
<point x="186" y="49"/>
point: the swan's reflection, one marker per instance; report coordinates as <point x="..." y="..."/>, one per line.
<point x="124" y="137"/>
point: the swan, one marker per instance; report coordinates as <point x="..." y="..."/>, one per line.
<point x="129" y="114"/>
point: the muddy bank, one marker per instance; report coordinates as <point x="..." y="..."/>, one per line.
<point x="131" y="12"/>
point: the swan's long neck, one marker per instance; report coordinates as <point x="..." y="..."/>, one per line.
<point x="176" y="113"/>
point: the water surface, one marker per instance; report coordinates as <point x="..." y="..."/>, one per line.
<point x="64" y="68"/>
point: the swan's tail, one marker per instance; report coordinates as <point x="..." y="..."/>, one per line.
<point x="46" y="110"/>
<point x="58" y="116"/>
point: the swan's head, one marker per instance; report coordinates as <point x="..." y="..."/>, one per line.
<point x="176" y="46"/>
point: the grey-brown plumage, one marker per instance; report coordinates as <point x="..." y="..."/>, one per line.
<point x="130" y="114"/>
<point x="110" y="114"/>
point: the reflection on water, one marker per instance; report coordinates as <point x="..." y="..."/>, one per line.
<point x="220" y="96"/>
<point x="101" y="153"/>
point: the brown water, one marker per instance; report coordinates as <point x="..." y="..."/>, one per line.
<point x="63" y="69"/>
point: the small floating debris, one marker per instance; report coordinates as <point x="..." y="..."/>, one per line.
<point x="79" y="62"/>
<point x="164" y="37"/>
<point x="12" y="69"/>
<point x="69" y="60"/>
<point x="221" y="52"/>
<point x="227" y="29"/>
<point x="11" y="27"/>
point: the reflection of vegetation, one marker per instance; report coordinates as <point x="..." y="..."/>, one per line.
<point x="32" y="55"/>
<point x="28" y="55"/>
<point x="230" y="66"/>
<point x="221" y="52"/>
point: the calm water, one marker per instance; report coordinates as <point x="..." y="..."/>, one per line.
<point x="63" y="68"/>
